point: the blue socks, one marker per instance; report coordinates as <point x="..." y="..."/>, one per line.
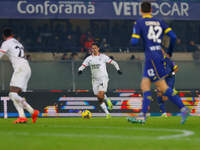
<point x="174" y="98"/>
<point x="147" y="98"/>
<point x="161" y="104"/>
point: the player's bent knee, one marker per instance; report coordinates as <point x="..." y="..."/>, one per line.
<point x="145" y="87"/>
<point x="100" y="97"/>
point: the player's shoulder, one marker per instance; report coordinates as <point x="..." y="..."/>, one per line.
<point x="88" y="57"/>
<point x="150" y="18"/>
<point x="5" y="44"/>
<point x="138" y="21"/>
<point x="10" y="41"/>
<point x="103" y="55"/>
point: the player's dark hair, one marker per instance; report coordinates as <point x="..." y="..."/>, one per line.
<point x="146" y="7"/>
<point x="97" y="44"/>
<point x="8" y="32"/>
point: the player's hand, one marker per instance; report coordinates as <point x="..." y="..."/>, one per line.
<point x="80" y="72"/>
<point x="119" y="72"/>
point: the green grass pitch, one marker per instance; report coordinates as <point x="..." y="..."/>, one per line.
<point x="100" y="134"/>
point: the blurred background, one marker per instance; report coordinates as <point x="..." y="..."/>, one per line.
<point x="57" y="36"/>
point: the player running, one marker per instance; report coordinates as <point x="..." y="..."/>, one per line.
<point x="21" y="75"/>
<point x="171" y="69"/>
<point x="151" y="30"/>
<point x="97" y="63"/>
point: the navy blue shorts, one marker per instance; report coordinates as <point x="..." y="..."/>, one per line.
<point x="154" y="69"/>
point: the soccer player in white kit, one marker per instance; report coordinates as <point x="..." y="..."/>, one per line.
<point x="21" y="75"/>
<point x="97" y="63"/>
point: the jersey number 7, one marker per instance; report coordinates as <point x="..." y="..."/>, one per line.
<point x="21" y="50"/>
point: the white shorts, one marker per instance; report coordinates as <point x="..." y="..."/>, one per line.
<point x="21" y="76"/>
<point x="99" y="85"/>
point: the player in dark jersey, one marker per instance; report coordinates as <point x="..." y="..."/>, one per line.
<point x="151" y="30"/>
<point x="171" y="69"/>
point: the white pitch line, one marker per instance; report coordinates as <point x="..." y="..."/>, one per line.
<point x="183" y="133"/>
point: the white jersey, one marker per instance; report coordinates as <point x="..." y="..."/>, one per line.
<point x="14" y="50"/>
<point x="22" y="71"/>
<point x="98" y="66"/>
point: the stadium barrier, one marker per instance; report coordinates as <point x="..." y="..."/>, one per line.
<point x="58" y="103"/>
<point x="119" y="56"/>
<point x="63" y="75"/>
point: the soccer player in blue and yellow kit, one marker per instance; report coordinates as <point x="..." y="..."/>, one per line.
<point x="171" y="69"/>
<point x="151" y="30"/>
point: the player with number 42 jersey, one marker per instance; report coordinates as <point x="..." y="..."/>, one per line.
<point x="151" y="30"/>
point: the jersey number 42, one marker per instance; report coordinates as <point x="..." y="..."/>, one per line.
<point x="154" y="33"/>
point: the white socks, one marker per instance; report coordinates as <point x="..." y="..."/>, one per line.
<point x="19" y="108"/>
<point x="103" y="106"/>
<point x="27" y="106"/>
<point x="20" y="104"/>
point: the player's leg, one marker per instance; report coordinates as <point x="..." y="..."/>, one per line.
<point x="13" y="94"/>
<point x="161" y="99"/>
<point x="147" y="98"/>
<point x="100" y="96"/>
<point x="161" y="84"/>
<point x="148" y="76"/>
<point x="161" y="103"/>
<point x="147" y="95"/>
<point x="170" y="93"/>
<point x="24" y="81"/>
<point x="20" y="80"/>
<point x="107" y="99"/>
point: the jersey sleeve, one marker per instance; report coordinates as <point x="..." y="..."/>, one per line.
<point x="3" y="49"/>
<point x="167" y="30"/>
<point x="165" y="27"/>
<point x="107" y="59"/>
<point x="136" y="30"/>
<point x="86" y="62"/>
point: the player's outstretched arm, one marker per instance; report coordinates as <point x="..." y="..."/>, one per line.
<point x="83" y="66"/>
<point x="80" y="69"/>
<point x="134" y="41"/>
<point x="1" y="54"/>
<point x="136" y="34"/>
<point x="115" y="64"/>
